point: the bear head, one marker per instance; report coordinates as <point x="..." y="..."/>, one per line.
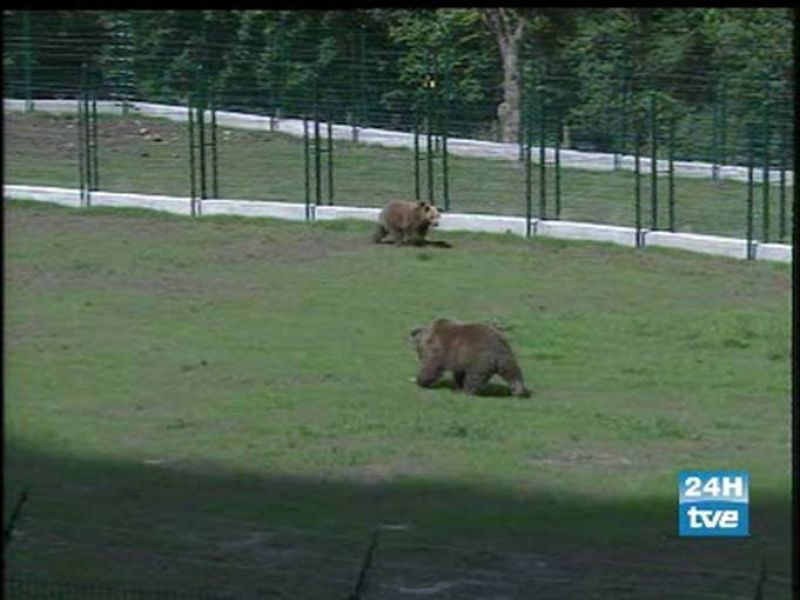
<point x="428" y="213"/>
<point x="420" y="337"/>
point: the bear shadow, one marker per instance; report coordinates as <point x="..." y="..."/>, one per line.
<point x="488" y="390"/>
<point x="436" y="243"/>
<point x="420" y="244"/>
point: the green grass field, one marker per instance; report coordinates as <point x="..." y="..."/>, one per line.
<point x="226" y="405"/>
<point x="42" y="149"/>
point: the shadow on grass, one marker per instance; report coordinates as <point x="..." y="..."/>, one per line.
<point x="418" y="244"/>
<point x="488" y="390"/>
<point x="158" y="523"/>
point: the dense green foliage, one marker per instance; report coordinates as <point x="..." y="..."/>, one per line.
<point x="602" y="68"/>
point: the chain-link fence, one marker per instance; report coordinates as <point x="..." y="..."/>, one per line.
<point x="284" y="110"/>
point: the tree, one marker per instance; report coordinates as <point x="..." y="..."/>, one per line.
<point x="508" y="27"/>
<point x="450" y="49"/>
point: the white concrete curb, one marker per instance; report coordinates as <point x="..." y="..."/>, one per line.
<point x="570" y="230"/>
<point x="626" y="236"/>
<point x="484" y="223"/>
<point x="255" y="208"/>
<point x="63" y="196"/>
<point x="707" y="244"/>
<point x="328" y="213"/>
<point x="178" y="206"/>
<point x="778" y="252"/>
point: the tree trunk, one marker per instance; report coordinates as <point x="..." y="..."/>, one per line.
<point x="508" y="112"/>
<point x="507" y="28"/>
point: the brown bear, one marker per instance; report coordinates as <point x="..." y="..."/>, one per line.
<point x="472" y="351"/>
<point x="406" y="221"/>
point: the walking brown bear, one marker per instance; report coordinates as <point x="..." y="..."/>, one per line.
<point x="472" y="351"/>
<point x="406" y="221"/>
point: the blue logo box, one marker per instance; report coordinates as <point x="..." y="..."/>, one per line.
<point x="714" y="503"/>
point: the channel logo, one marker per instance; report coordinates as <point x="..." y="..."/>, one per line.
<point x="714" y="503"/>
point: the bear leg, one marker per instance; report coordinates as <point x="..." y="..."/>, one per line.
<point x="397" y="234"/>
<point x="429" y="374"/>
<point x="458" y="380"/>
<point x="513" y="377"/>
<point x="379" y="234"/>
<point x="474" y="380"/>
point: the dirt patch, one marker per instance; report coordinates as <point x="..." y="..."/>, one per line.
<point x="53" y="135"/>
<point x="573" y="457"/>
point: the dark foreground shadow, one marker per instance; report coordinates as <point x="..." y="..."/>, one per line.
<point x="91" y="526"/>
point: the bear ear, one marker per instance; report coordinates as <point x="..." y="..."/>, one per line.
<point x="415" y="332"/>
<point x="422" y="203"/>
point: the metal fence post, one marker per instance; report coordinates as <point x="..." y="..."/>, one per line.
<point x="192" y="157"/>
<point x="307" y="165"/>
<point x="765" y="216"/>
<point x="557" y="165"/>
<point x="653" y="163"/>
<point x="81" y="148"/>
<point x="417" y="157"/>
<point x="87" y="138"/>
<point x="429" y="137"/>
<point x="671" y="170"/>
<point x="330" y="161"/>
<point x="27" y="60"/>
<point x="637" y="198"/>
<point x="94" y="182"/>
<point x="362" y="71"/>
<point x="749" y="218"/>
<point x="542" y="152"/>
<point x="214" y="151"/>
<point x="528" y="139"/>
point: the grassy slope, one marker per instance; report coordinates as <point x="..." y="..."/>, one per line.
<point x="265" y="364"/>
<point x="41" y="149"/>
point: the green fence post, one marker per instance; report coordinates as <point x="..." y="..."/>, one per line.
<point x="671" y="170"/>
<point x="637" y="198"/>
<point x="715" y="133"/>
<point x="445" y="174"/>
<point x="93" y="143"/>
<point x="27" y="60"/>
<point x="750" y="166"/>
<point x="201" y="147"/>
<point x="192" y="157"/>
<point x="765" y="174"/>
<point x="87" y="130"/>
<point x="330" y="161"/>
<point x="317" y="148"/>
<point x="417" y="157"/>
<point x="81" y="149"/>
<point x="307" y="165"/>
<point x="522" y="131"/>
<point x="317" y="161"/>
<point x="362" y="117"/>
<point x="653" y="163"/>
<point x="542" y="153"/>
<point x="559" y="125"/>
<point x="429" y="133"/>
<point x="528" y="170"/>
<point x="214" y="161"/>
